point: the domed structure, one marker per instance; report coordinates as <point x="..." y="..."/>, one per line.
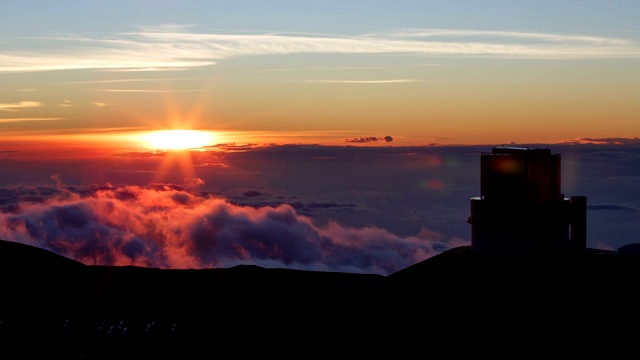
<point x="521" y="209"/>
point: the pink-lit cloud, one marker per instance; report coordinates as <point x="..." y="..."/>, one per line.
<point x="167" y="226"/>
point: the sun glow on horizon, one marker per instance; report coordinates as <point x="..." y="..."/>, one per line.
<point x="177" y="139"/>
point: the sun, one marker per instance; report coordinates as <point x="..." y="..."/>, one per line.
<point x="177" y="139"/>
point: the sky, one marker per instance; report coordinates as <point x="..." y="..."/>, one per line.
<point x="333" y="135"/>
<point x="449" y="72"/>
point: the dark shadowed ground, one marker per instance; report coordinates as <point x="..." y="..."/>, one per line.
<point x="53" y="306"/>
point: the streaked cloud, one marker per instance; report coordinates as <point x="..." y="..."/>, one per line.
<point x="66" y="103"/>
<point x="427" y="65"/>
<point x="13" y="120"/>
<point x="13" y="107"/>
<point x="491" y="35"/>
<point x="609" y="141"/>
<point x="336" y="68"/>
<point x="148" y="90"/>
<point x="95" y="130"/>
<point x="389" y="81"/>
<point x="170" y="47"/>
<point x="208" y="164"/>
<point x="132" y="80"/>
<point x="623" y="207"/>
<point x="149" y="69"/>
<point x="167" y="27"/>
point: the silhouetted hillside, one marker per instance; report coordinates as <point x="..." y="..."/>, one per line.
<point x="74" y="310"/>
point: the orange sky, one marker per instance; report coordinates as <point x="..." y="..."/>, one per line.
<point x="505" y="75"/>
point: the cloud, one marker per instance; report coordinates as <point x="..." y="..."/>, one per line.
<point x="13" y="107"/>
<point x="605" y="141"/>
<point x="427" y="64"/>
<point x="332" y="68"/>
<point x="231" y="147"/>
<point x="12" y="120"/>
<point x="167" y="226"/>
<point x="169" y="47"/>
<point x="66" y="103"/>
<point x="368" y="139"/>
<point x="623" y="207"/>
<point x="171" y="28"/>
<point x="252" y="193"/>
<point x="208" y="164"/>
<point x="492" y="35"/>
<point x="147" y="90"/>
<point x="391" y="81"/>
<point x="193" y="182"/>
<point x="132" y="80"/>
<point x="148" y="69"/>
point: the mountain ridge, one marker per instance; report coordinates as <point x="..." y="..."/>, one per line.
<point x="68" y="305"/>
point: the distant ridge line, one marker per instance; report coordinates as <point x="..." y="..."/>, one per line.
<point x="49" y="299"/>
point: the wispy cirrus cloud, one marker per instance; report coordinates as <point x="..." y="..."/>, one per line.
<point x="148" y="90"/>
<point x="66" y="103"/>
<point x="171" y="47"/>
<point x="13" y="120"/>
<point x="341" y="68"/>
<point x="495" y="36"/>
<point x="132" y="80"/>
<point x="388" y="81"/>
<point x="13" y="107"/>
<point x="149" y="69"/>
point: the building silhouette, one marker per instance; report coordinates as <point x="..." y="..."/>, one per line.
<point x="521" y="209"/>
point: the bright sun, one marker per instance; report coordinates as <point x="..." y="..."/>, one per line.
<point x="177" y="139"/>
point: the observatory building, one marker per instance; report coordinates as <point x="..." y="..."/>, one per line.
<point x="521" y="209"/>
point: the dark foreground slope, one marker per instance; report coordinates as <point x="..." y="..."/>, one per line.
<point x="57" y="306"/>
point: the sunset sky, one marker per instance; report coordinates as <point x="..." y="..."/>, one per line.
<point x="422" y="72"/>
<point x="325" y="130"/>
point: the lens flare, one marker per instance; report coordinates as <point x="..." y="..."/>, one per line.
<point x="434" y="184"/>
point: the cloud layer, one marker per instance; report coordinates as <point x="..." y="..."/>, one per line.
<point x="367" y="139"/>
<point x="172" y="48"/>
<point x="166" y="226"/>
